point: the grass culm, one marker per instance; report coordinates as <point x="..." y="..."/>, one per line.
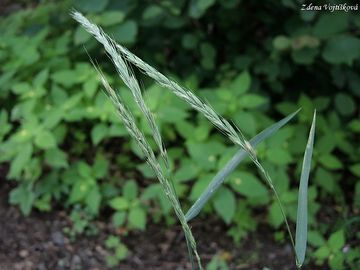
<point x="120" y="56"/>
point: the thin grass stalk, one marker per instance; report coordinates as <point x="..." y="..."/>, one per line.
<point x="140" y="139"/>
<point x="218" y="121"/>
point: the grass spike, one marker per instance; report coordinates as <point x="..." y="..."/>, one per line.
<point x="218" y="121"/>
<point x="222" y="124"/>
<point x="140" y="139"/>
<point x="126" y="75"/>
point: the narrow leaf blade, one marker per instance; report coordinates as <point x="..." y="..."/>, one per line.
<point x="302" y="211"/>
<point x="231" y="166"/>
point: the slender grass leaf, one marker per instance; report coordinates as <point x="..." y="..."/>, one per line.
<point x="231" y="166"/>
<point x="302" y="211"/>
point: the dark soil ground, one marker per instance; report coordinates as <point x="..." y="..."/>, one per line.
<point x="38" y="242"/>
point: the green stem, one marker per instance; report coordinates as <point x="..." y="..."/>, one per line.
<point x="271" y="185"/>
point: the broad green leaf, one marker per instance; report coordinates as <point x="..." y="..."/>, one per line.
<point x="241" y="84"/>
<point x="342" y="49"/>
<point x="137" y="218"/>
<point x="337" y="240"/>
<point x="21" y="88"/>
<point x="119" y="218"/>
<point x="279" y="156"/>
<point x="345" y="104"/>
<point x="53" y="117"/>
<point x="198" y="7"/>
<point x="24" y="197"/>
<point x="189" y="41"/>
<point x="275" y="216"/>
<point x="98" y="133"/>
<point x="225" y="204"/>
<point x="326" y="144"/>
<point x="119" y="203"/>
<point x="93" y="200"/>
<point x="112" y="241"/>
<point x="187" y="171"/>
<point x="91" y="5"/>
<point x="354" y="125"/>
<point x="281" y="43"/>
<point x="81" y="36"/>
<point x="330" y="24"/>
<point x="100" y="167"/>
<point x="130" y="190"/>
<point x="20" y="160"/>
<point x="56" y="158"/>
<point x="302" y="211"/>
<point x="152" y="12"/>
<point x="205" y="154"/>
<point x="246" y="122"/>
<point x="231" y="166"/>
<point x="247" y="185"/>
<point x="199" y="186"/>
<point x="65" y="77"/>
<point x="90" y="87"/>
<point x="322" y="253"/>
<point x="41" y="78"/>
<point x="121" y="252"/>
<point x="5" y="127"/>
<point x="304" y="56"/>
<point x="331" y="162"/>
<point x="355" y="169"/>
<point x="84" y="169"/>
<point x="109" y="18"/>
<point x="250" y="101"/>
<point x="80" y="190"/>
<point x="146" y="170"/>
<point x="337" y="261"/>
<point x="125" y="32"/>
<point x="171" y="114"/>
<point x="315" y="239"/>
<point x="325" y="179"/>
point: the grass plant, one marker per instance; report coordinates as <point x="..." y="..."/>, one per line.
<point x="120" y="55"/>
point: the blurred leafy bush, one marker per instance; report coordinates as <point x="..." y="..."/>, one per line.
<point x="252" y="61"/>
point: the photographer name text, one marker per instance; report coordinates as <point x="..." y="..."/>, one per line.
<point x="330" y="7"/>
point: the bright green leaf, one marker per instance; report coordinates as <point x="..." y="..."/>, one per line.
<point x="345" y="104"/>
<point x="241" y="84"/>
<point x="45" y="140"/>
<point x="130" y="190"/>
<point x="24" y="197"/>
<point x="225" y="204"/>
<point x="337" y="240"/>
<point x="342" y="49"/>
<point x="137" y="218"/>
<point x="56" y="158"/>
<point x="124" y="33"/>
<point x="98" y="133"/>
<point x="119" y="203"/>
<point x="331" y="162"/>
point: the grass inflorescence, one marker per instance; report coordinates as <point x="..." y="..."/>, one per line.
<point x="120" y="56"/>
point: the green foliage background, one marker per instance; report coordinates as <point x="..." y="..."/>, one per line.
<point x="254" y="62"/>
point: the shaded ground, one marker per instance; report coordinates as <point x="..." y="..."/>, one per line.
<point x="38" y="242"/>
